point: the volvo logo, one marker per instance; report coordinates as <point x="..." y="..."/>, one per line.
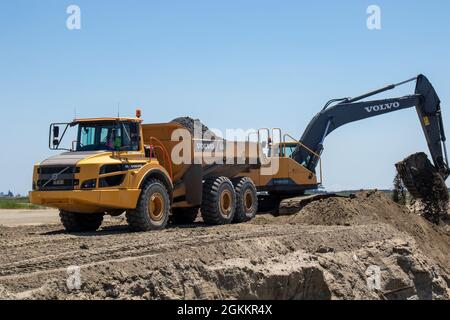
<point x="383" y="107"/>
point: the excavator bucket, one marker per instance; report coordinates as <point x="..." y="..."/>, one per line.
<point x="424" y="182"/>
<point x="421" y="178"/>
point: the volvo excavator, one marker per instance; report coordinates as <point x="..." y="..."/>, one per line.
<point x="421" y="178"/>
<point x="117" y="165"/>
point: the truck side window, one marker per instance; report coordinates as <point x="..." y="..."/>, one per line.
<point x="87" y="136"/>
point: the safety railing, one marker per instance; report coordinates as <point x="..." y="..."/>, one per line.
<point x="282" y="145"/>
<point x="270" y="135"/>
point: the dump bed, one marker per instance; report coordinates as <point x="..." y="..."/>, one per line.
<point x="228" y="157"/>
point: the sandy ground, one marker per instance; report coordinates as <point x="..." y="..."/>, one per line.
<point x="338" y="248"/>
<point x="14" y="218"/>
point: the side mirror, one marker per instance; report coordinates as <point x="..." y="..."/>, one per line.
<point x="55" y="132"/>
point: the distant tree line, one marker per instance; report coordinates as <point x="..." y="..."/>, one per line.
<point x="8" y="194"/>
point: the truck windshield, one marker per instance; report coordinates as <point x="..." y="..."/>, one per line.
<point x="108" y="135"/>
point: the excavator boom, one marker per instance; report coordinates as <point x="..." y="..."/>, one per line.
<point x="348" y="110"/>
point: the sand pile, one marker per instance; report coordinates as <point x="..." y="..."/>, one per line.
<point x="372" y="207"/>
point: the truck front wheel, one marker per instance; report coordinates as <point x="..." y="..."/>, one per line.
<point x="80" y="222"/>
<point x="153" y="208"/>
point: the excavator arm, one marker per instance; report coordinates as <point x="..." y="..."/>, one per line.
<point x="348" y="110"/>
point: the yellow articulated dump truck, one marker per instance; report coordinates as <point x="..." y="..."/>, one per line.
<point x="168" y="171"/>
<point x="119" y="165"/>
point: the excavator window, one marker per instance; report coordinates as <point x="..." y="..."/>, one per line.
<point x="288" y="150"/>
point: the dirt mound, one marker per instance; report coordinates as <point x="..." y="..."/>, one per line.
<point x="362" y="208"/>
<point x="372" y="207"/>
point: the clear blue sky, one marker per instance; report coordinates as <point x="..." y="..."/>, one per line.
<point x="233" y="64"/>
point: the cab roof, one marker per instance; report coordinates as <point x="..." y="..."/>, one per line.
<point x="85" y="120"/>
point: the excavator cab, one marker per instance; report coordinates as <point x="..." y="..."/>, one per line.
<point x="287" y="149"/>
<point x="284" y="149"/>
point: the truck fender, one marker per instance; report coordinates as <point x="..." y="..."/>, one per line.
<point x="159" y="174"/>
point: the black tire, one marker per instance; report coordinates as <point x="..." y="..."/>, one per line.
<point x="80" y="222"/>
<point x="246" y="199"/>
<point x="153" y="208"/>
<point x="184" y="215"/>
<point x="219" y="201"/>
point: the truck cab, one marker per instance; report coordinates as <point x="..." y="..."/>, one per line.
<point x="102" y="171"/>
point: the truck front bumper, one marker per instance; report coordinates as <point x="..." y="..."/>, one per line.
<point x="87" y="201"/>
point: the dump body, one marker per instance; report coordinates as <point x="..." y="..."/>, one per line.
<point x="218" y="157"/>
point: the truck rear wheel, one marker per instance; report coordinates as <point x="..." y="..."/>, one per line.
<point x="246" y="199"/>
<point x="80" y="222"/>
<point x="184" y="215"/>
<point x="219" y="201"/>
<point x="153" y="208"/>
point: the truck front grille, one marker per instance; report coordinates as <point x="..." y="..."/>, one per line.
<point x="57" y="178"/>
<point x="57" y="169"/>
<point x="47" y="185"/>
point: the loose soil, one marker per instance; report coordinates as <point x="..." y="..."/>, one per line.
<point x="190" y="123"/>
<point x="425" y="183"/>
